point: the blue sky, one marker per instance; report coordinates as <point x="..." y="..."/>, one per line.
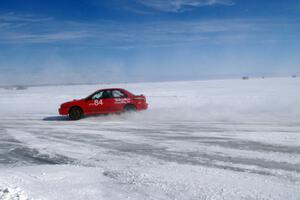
<point x="77" y="41"/>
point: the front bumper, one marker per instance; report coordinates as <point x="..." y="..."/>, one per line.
<point x="63" y="111"/>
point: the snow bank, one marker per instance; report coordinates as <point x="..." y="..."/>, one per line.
<point x="170" y="181"/>
<point x="12" y="194"/>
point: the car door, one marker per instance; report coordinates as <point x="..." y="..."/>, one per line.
<point x="101" y="102"/>
<point x="107" y="102"/>
<point x="120" y="100"/>
<point x="94" y="104"/>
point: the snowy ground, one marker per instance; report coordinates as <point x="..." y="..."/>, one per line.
<point x="225" y="139"/>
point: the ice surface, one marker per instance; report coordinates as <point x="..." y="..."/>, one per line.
<point x="220" y="139"/>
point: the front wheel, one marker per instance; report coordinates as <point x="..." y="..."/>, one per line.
<point x="75" y="113"/>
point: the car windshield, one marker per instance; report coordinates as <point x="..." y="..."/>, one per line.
<point x="98" y="95"/>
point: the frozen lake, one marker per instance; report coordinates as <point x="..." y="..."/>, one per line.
<point x="218" y="139"/>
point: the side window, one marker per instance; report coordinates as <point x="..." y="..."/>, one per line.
<point x="106" y="94"/>
<point x="118" y="94"/>
<point x="98" y="95"/>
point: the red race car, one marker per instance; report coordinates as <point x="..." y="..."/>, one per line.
<point x="104" y="101"/>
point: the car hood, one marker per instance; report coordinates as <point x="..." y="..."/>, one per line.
<point x="71" y="102"/>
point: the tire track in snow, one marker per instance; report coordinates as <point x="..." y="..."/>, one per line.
<point x="82" y="135"/>
<point x="14" y="152"/>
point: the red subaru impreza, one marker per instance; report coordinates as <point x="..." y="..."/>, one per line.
<point x="104" y="101"/>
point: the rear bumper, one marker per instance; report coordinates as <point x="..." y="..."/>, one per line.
<point x="143" y="106"/>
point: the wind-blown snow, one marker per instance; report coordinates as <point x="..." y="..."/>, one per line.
<point x="221" y="139"/>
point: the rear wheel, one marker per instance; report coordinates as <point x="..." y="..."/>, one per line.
<point x="75" y="113"/>
<point x="129" y="108"/>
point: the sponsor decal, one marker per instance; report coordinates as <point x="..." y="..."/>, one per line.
<point x="97" y="102"/>
<point x="122" y="100"/>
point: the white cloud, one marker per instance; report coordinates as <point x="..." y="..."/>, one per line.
<point x="112" y="34"/>
<point x="16" y="28"/>
<point x="43" y="38"/>
<point x="181" y="5"/>
<point x="12" y="17"/>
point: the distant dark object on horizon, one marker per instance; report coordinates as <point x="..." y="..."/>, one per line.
<point x="294" y="76"/>
<point x="16" y="87"/>
<point x="263" y="77"/>
<point x="245" y="77"/>
<point x="20" y="87"/>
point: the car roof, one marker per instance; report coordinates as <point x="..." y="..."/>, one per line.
<point x="127" y="92"/>
<point x="112" y="89"/>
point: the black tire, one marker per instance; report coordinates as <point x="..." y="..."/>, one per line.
<point x="129" y="108"/>
<point x="75" y="113"/>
